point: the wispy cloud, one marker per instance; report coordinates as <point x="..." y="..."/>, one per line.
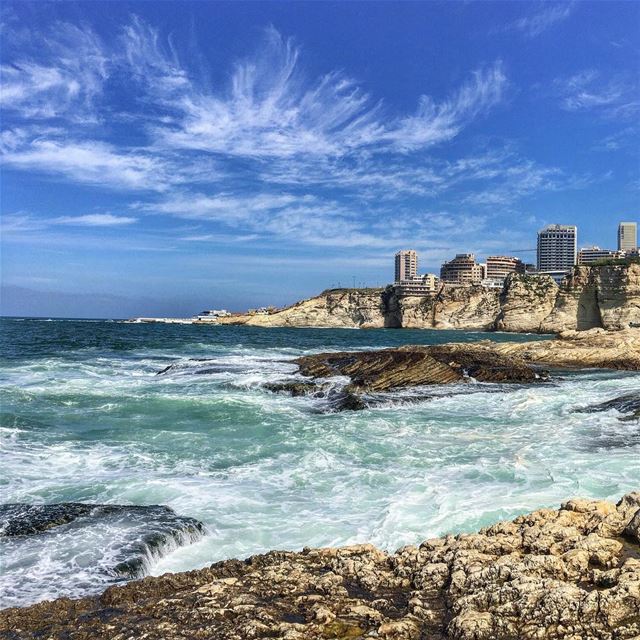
<point x="60" y="75"/>
<point x="614" y="96"/>
<point x="272" y="154"/>
<point x="548" y="15"/>
<point x="95" y="220"/>
<point x="91" y="162"/>
<point x="270" y="109"/>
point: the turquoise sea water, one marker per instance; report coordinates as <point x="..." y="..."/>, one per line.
<point x="86" y="418"/>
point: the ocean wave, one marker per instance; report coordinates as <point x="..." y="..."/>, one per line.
<point x="72" y="549"/>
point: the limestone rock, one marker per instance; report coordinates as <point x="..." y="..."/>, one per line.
<point x="525" y="302"/>
<point x="602" y="296"/>
<point x="549" y="575"/>
<point x="417" y="365"/>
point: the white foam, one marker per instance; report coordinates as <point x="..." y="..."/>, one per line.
<point x="265" y="470"/>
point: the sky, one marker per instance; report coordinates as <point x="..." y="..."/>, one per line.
<point x="161" y="158"/>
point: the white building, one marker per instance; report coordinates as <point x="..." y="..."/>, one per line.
<point x="406" y="265"/>
<point x="499" y="267"/>
<point x="627" y="236"/>
<point x="557" y="247"/>
<point x="589" y="255"/>
<point x="424" y="285"/>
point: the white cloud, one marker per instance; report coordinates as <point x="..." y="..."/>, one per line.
<point x="58" y="75"/>
<point x="536" y="23"/>
<point x="272" y="154"/>
<point x="612" y="95"/>
<point x="271" y="110"/>
<point x="91" y="162"/>
<point x="95" y="220"/>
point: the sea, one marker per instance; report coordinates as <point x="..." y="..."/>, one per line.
<point x="196" y="463"/>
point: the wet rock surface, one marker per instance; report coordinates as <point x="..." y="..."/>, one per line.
<point x="571" y="573"/>
<point x="484" y="361"/>
<point x="628" y="405"/>
<point x="418" y="365"/>
<point x="146" y="531"/>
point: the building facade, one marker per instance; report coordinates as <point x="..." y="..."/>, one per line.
<point x="589" y="255"/>
<point x="406" y="265"/>
<point x="420" y="286"/>
<point x="557" y="247"/>
<point x="463" y="269"/>
<point x="499" y="267"/>
<point x="627" y="236"/>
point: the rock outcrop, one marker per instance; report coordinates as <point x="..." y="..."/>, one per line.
<point x="417" y="365"/>
<point x="335" y="308"/>
<point x="525" y="303"/>
<point x="602" y="296"/>
<point x="473" y="307"/>
<point x="371" y="372"/>
<point x="570" y="574"/>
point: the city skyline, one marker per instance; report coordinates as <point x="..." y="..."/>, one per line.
<point x="238" y="155"/>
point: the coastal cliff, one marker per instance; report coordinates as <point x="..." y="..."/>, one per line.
<point x="599" y="296"/>
<point x="571" y="574"/>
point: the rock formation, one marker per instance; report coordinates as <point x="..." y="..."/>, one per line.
<point x="334" y="308"/>
<point x="417" y="365"/>
<point x="525" y="302"/>
<point x="570" y="574"/>
<point x="484" y="361"/>
<point x="602" y="296"/>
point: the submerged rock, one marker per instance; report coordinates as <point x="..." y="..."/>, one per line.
<point x="147" y="531"/>
<point x="571" y="573"/>
<point x="25" y="519"/>
<point x="628" y="404"/>
<point x="295" y="388"/>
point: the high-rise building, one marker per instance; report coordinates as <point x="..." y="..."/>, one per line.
<point x="627" y="236"/>
<point x="557" y="247"/>
<point x="463" y="269"/>
<point x="499" y="267"/>
<point x="406" y="265"/>
<point x="589" y="255"/>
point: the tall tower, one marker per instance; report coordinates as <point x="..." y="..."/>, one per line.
<point x="557" y="247"/>
<point x="627" y="236"/>
<point x="406" y="265"/>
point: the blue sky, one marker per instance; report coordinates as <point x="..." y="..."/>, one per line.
<point x="162" y="158"/>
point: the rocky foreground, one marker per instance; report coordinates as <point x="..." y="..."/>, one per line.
<point x="572" y="573"/>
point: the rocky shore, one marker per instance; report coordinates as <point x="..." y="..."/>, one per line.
<point x="483" y="361"/>
<point x="571" y="573"/>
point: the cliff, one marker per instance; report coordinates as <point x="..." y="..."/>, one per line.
<point x="333" y="308"/>
<point x="571" y="574"/>
<point x="604" y="296"/>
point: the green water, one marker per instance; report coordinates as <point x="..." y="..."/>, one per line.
<point x="86" y="418"/>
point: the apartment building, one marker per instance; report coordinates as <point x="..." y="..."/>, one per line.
<point x="463" y="269"/>
<point x="627" y="236"/>
<point x="424" y="285"/>
<point x="499" y="267"/>
<point x="406" y="265"/>
<point x="589" y="255"/>
<point x="557" y="247"/>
